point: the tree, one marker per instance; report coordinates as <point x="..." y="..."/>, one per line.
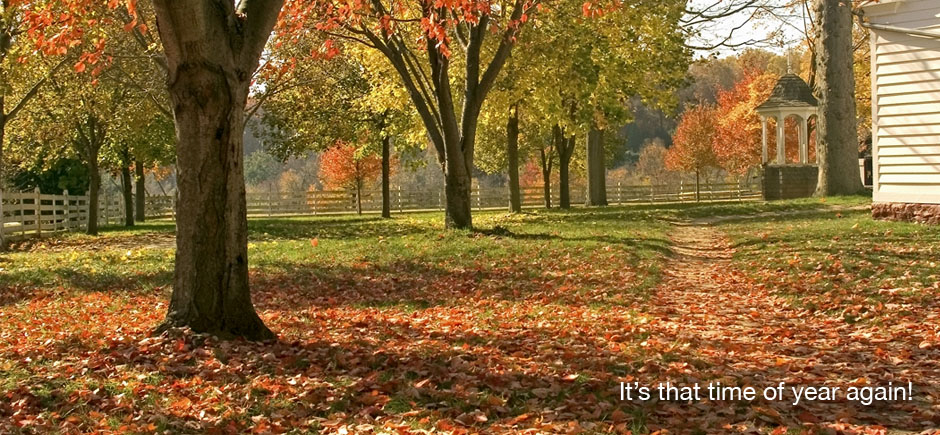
<point x="25" y="67"/>
<point x="836" y="128"/>
<point x="261" y="167"/>
<point x="401" y="33"/>
<point x="344" y="166"/>
<point x="309" y="103"/>
<point x="212" y="49"/>
<point x="547" y="155"/>
<point x="692" y="145"/>
<point x="738" y="132"/>
<point x="652" y="162"/>
<point x="512" y="156"/>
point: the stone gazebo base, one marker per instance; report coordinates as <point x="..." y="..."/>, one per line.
<point x="895" y="211"/>
<point x="789" y="181"/>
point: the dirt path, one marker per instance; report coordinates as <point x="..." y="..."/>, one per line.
<point x="723" y="326"/>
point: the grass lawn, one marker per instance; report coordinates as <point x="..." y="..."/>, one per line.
<point x="375" y="317"/>
<point x="529" y="322"/>
<point x="842" y="261"/>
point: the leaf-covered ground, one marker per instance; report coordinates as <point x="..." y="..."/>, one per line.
<point x="528" y="324"/>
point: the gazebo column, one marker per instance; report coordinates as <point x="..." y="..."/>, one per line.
<point x="804" y="140"/>
<point x="763" y="125"/>
<point x="781" y="140"/>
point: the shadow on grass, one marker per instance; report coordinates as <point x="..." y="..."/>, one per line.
<point x="657" y="245"/>
<point x="22" y="285"/>
<point x="418" y="285"/>
<point x="521" y="375"/>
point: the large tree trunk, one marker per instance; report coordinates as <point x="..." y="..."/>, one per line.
<point x="141" y="194"/>
<point x="512" y="154"/>
<point x="457" y="196"/>
<point x="597" y="170"/>
<point x="128" y="191"/>
<point x="3" y="130"/>
<point x="386" y="176"/>
<point x="94" y="186"/>
<point x="837" y="144"/>
<point x="212" y="51"/>
<point x="3" y="123"/>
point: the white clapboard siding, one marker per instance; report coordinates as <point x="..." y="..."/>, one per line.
<point x="906" y="102"/>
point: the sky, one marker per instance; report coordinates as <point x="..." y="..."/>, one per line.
<point x="775" y="31"/>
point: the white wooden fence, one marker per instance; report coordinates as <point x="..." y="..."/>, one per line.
<point x="344" y="202"/>
<point x="34" y="213"/>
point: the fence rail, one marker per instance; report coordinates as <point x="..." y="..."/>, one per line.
<point x="34" y="213"/>
<point x="339" y="202"/>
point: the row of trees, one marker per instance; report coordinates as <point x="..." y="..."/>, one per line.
<point x="79" y="103"/>
<point x="552" y="74"/>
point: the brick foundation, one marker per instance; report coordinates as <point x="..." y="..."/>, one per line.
<point x="893" y="211"/>
<point x="789" y="181"/>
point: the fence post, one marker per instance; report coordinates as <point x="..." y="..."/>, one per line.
<point x="107" y="205"/>
<point x="38" y="211"/>
<point x="270" y="201"/>
<point x="68" y="216"/>
<point x="400" y="208"/>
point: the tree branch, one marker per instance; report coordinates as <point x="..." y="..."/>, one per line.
<point x="260" y="17"/>
<point x="33" y="91"/>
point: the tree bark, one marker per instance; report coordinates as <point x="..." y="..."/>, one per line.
<point x="512" y="154"/>
<point x="386" y="176"/>
<point x="3" y="125"/>
<point x="212" y="50"/>
<point x="546" y="161"/>
<point x="3" y="130"/>
<point x="597" y="170"/>
<point x="837" y="144"/>
<point x="128" y="191"/>
<point x="140" y="198"/>
<point x="458" y="197"/>
<point x="94" y="186"/>
<point x="565" y="148"/>
<point x="359" y="198"/>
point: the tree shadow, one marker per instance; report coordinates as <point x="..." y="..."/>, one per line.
<point x="654" y="244"/>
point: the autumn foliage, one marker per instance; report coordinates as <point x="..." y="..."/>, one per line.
<point x="733" y="129"/>
<point x="692" y="144"/>
<point x="345" y="166"/>
<point x="737" y="140"/>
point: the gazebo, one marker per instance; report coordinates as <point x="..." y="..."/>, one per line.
<point x="791" y="97"/>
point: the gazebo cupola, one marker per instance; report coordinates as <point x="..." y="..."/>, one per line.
<point x="791" y="97"/>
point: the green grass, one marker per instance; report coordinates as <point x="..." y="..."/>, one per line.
<point x="750" y="208"/>
<point x="410" y="322"/>
<point x="840" y="261"/>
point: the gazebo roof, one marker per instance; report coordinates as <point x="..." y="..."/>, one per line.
<point x="790" y="91"/>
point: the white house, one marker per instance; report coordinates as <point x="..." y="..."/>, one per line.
<point x="905" y="47"/>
